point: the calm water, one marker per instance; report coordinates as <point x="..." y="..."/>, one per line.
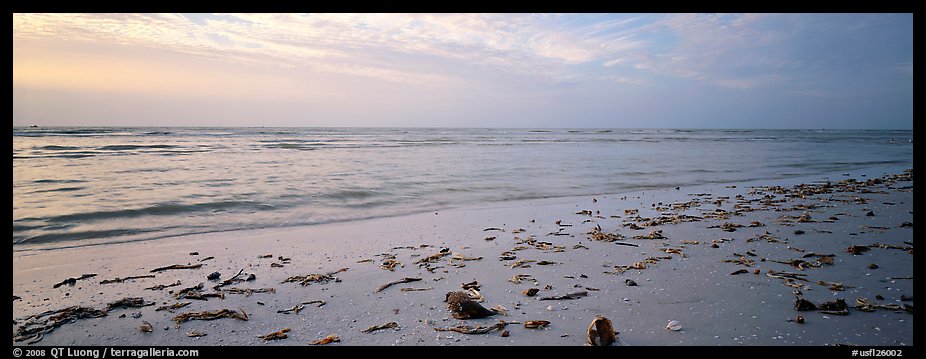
<point x="74" y="186"/>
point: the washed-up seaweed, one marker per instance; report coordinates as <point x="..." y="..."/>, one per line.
<point x="134" y="302"/>
<point x="280" y="334"/>
<point x="466" y="329"/>
<point x="574" y="295"/>
<point x="674" y="251"/>
<point x="172" y="306"/>
<point x="390" y="325"/>
<point x="120" y="280"/>
<point x="857" y="250"/>
<point x="195" y="292"/>
<point x="461" y="257"/>
<point x="768" y="237"/>
<point x="598" y="235"/>
<point x="326" y="340"/>
<point x="600" y="332"/>
<point x="237" y="278"/>
<point x="786" y="275"/>
<point x="248" y="291"/>
<point x="177" y="266"/>
<point x="741" y="261"/>
<point x="298" y="307"/>
<point x="207" y="258"/>
<point x="530" y="292"/>
<point x="522" y="263"/>
<point x="536" y="324"/>
<point x="727" y="226"/>
<point x="656" y="234"/>
<point x="211" y="315"/>
<point x="73" y="281"/>
<point x="801" y="264"/>
<point x="410" y="289"/>
<point x="518" y="278"/>
<point x="464" y="306"/>
<point x="195" y="334"/>
<point x="390" y="264"/>
<point x="832" y="285"/>
<point x="866" y="306"/>
<point x="315" y="278"/>
<point x="162" y="286"/>
<point x="740" y="271"/>
<point x="403" y="280"/>
<point x="35" y="328"/>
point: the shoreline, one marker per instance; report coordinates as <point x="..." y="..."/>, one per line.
<point x="505" y="203"/>
<point x="694" y="288"/>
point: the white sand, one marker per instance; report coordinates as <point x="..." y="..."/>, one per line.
<point x="713" y="307"/>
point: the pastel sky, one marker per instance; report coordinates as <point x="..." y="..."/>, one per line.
<point x="465" y="70"/>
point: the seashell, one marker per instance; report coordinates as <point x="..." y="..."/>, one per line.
<point x="600" y="332"/>
<point x="674" y="325"/>
<point x="146" y="327"/>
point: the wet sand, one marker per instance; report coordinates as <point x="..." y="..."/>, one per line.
<point x="690" y="283"/>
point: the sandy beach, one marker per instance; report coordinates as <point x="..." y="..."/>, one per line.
<point x="727" y="262"/>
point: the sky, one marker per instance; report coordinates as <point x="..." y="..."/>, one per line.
<point x="465" y="70"/>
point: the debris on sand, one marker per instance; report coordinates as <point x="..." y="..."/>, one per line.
<point x="214" y="276"/>
<point x="145" y="327"/>
<point x="574" y="295"/>
<point x="866" y="306"/>
<point x="120" y="280"/>
<point x="248" y="291"/>
<point x="390" y="325"/>
<point x="136" y="302"/>
<point x="237" y="278"/>
<point x="740" y="271"/>
<point x="211" y="315"/>
<point x="162" y="286"/>
<point x="598" y="235"/>
<point x="177" y="266"/>
<point x="656" y="234"/>
<point x="536" y="324"/>
<point x="518" y="278"/>
<point x="34" y="328"/>
<point x="298" y="307"/>
<point x="403" y="280"/>
<point x="280" y="334"/>
<point x="832" y="285"/>
<point x="674" y="326"/>
<point x="522" y="263"/>
<point x="172" y="306"/>
<point x="463" y="306"/>
<point x="600" y="332"/>
<point x="803" y="305"/>
<point x="410" y="289"/>
<point x="741" y="261"/>
<point x="471" y="285"/>
<point x="530" y="292"/>
<point x="857" y="250"/>
<point x="461" y="257"/>
<point x="315" y="278"/>
<point x="73" y="281"/>
<point x="326" y="340"/>
<point x="727" y="226"/>
<point x="466" y="329"/>
<point x="195" y="334"/>
<point x="195" y="292"/>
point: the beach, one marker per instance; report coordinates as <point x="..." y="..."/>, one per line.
<point x="841" y="236"/>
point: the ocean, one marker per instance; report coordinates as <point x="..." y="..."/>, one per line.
<point x="83" y="186"/>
